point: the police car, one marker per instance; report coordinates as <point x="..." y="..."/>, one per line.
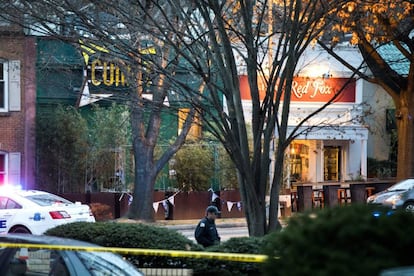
<point x="34" y="212"/>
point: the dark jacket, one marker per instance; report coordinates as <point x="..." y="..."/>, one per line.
<point x="206" y="233"/>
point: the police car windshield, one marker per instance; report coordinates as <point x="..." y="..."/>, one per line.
<point x="47" y="199"/>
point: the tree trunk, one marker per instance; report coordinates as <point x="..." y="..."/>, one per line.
<point x="254" y="211"/>
<point x="405" y="127"/>
<point x="145" y="172"/>
<point x="274" y="223"/>
<point x="141" y="207"/>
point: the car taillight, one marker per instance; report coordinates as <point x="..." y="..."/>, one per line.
<point x="59" y="215"/>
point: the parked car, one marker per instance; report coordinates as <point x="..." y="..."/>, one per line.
<point x="34" y="212"/>
<point x="54" y="260"/>
<point x="398" y="271"/>
<point x="400" y="195"/>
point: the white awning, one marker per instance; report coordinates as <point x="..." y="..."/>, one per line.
<point x="332" y="133"/>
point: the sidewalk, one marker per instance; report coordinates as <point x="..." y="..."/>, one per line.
<point x="192" y="223"/>
<point x="220" y="223"/>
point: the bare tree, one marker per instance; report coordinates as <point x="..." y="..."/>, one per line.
<point x="196" y="50"/>
<point x="115" y="33"/>
<point x="218" y="39"/>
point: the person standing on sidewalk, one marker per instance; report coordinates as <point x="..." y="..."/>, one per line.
<point x="206" y="232"/>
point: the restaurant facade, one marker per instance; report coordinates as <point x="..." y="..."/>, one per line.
<point x="335" y="143"/>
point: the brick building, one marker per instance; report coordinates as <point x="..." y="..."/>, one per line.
<point x="17" y="106"/>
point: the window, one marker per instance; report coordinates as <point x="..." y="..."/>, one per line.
<point x="10" y="85"/>
<point x="7" y="203"/>
<point x="33" y="261"/>
<point x="10" y="168"/>
<point x="47" y="199"/>
<point x="11" y="204"/>
<point x="3" y="87"/>
<point x="2" y="168"/>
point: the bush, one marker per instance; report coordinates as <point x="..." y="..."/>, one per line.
<point x="245" y="245"/>
<point x="130" y="235"/>
<point x="352" y="240"/>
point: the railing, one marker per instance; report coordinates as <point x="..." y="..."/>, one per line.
<point x="309" y="196"/>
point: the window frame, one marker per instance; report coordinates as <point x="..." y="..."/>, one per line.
<point x="5" y="81"/>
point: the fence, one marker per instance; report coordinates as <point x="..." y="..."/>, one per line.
<point x="177" y="204"/>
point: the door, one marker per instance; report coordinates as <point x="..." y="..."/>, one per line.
<point x="332" y="163"/>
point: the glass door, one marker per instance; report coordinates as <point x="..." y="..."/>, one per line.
<point x="331" y="163"/>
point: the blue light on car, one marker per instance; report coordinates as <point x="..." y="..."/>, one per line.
<point x="391" y="212"/>
<point x="377" y="214"/>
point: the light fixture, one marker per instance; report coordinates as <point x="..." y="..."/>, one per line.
<point x="327" y="75"/>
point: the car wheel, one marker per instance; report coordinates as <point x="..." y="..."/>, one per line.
<point x="409" y="206"/>
<point x="20" y="229"/>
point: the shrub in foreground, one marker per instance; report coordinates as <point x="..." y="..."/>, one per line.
<point x="352" y="240"/>
<point x="245" y="245"/>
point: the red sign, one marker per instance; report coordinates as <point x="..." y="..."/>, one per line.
<point x="310" y="89"/>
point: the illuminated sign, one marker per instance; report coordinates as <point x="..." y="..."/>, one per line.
<point x="309" y="89"/>
<point x="104" y="78"/>
<point x="103" y="73"/>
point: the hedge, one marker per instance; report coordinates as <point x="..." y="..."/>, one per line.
<point x="247" y="245"/>
<point x="352" y="240"/>
<point x="137" y="235"/>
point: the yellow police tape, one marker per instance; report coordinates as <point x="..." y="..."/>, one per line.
<point x="235" y="257"/>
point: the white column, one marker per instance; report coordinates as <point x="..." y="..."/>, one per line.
<point x="320" y="163"/>
<point x="364" y="159"/>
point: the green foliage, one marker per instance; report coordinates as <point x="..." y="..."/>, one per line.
<point x="245" y="245"/>
<point x="200" y="166"/>
<point x="136" y="235"/>
<point x="130" y="235"/>
<point x="68" y="146"/>
<point x="381" y="168"/>
<point x="61" y="149"/>
<point x="342" y="241"/>
<point x="194" y="167"/>
<point x="109" y="130"/>
<point x="227" y="173"/>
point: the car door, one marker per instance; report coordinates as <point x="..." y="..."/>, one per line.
<point x="8" y="211"/>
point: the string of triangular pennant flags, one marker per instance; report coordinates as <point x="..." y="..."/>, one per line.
<point x="230" y="204"/>
<point x="130" y="197"/>
<point x="164" y="202"/>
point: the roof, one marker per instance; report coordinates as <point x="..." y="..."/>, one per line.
<point x="395" y="59"/>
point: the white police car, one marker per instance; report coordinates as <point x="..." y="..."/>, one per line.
<point x="34" y="212"/>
